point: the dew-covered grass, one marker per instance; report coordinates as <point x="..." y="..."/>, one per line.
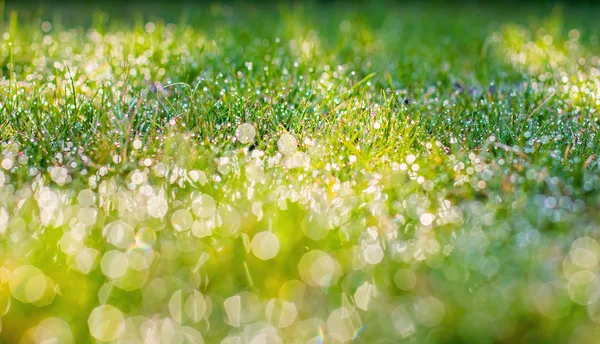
<point x="300" y="174"/>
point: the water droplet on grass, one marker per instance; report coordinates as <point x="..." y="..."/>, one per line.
<point x="287" y="144"/>
<point x="245" y="133"/>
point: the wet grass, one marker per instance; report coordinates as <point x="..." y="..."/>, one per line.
<point x="314" y="173"/>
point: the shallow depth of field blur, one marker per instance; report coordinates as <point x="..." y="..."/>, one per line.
<point x="300" y="173"/>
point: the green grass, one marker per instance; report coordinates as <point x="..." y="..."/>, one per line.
<point x="418" y="173"/>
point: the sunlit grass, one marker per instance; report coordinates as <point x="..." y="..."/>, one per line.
<point x="300" y="174"/>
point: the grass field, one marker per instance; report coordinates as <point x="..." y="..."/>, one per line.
<point x="318" y="173"/>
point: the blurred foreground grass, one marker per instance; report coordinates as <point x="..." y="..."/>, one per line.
<point x="301" y="174"/>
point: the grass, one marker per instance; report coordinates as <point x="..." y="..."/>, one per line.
<point x="300" y="173"/>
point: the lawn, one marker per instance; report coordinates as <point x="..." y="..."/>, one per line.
<point x="300" y="173"/>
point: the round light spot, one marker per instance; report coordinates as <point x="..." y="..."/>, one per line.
<point x="157" y="207"/>
<point x="373" y="254"/>
<point x="287" y="144"/>
<point x="202" y="229"/>
<point x="293" y="291"/>
<point x="182" y="220"/>
<point x="265" y="245"/>
<point x="145" y="235"/>
<point x="53" y="330"/>
<point x="430" y="311"/>
<point x="195" y="306"/>
<point x="241" y="308"/>
<point x="176" y="307"/>
<point x="245" y="133"/>
<point x="319" y="269"/>
<point x="192" y="335"/>
<point x="46" y="26"/>
<point x="229" y="222"/>
<point x="364" y="295"/>
<point x="87" y="260"/>
<point x="402" y="321"/>
<point x="133" y="330"/>
<point x="48" y="293"/>
<point x="69" y="244"/>
<point x="114" y="264"/>
<point x="86" y="198"/>
<point x="583" y="287"/>
<point x="140" y="257"/>
<point x="426" y="219"/>
<point x="106" y="323"/>
<point x="585" y="253"/>
<point x="281" y="313"/>
<point x="309" y="331"/>
<point x="27" y="284"/>
<point x="137" y="144"/>
<point x="132" y="279"/>
<point x="119" y="233"/>
<point x="87" y="216"/>
<point x="204" y="206"/>
<point x="552" y="301"/>
<point x="405" y="279"/>
<point x="315" y="226"/>
<point x="343" y="326"/>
